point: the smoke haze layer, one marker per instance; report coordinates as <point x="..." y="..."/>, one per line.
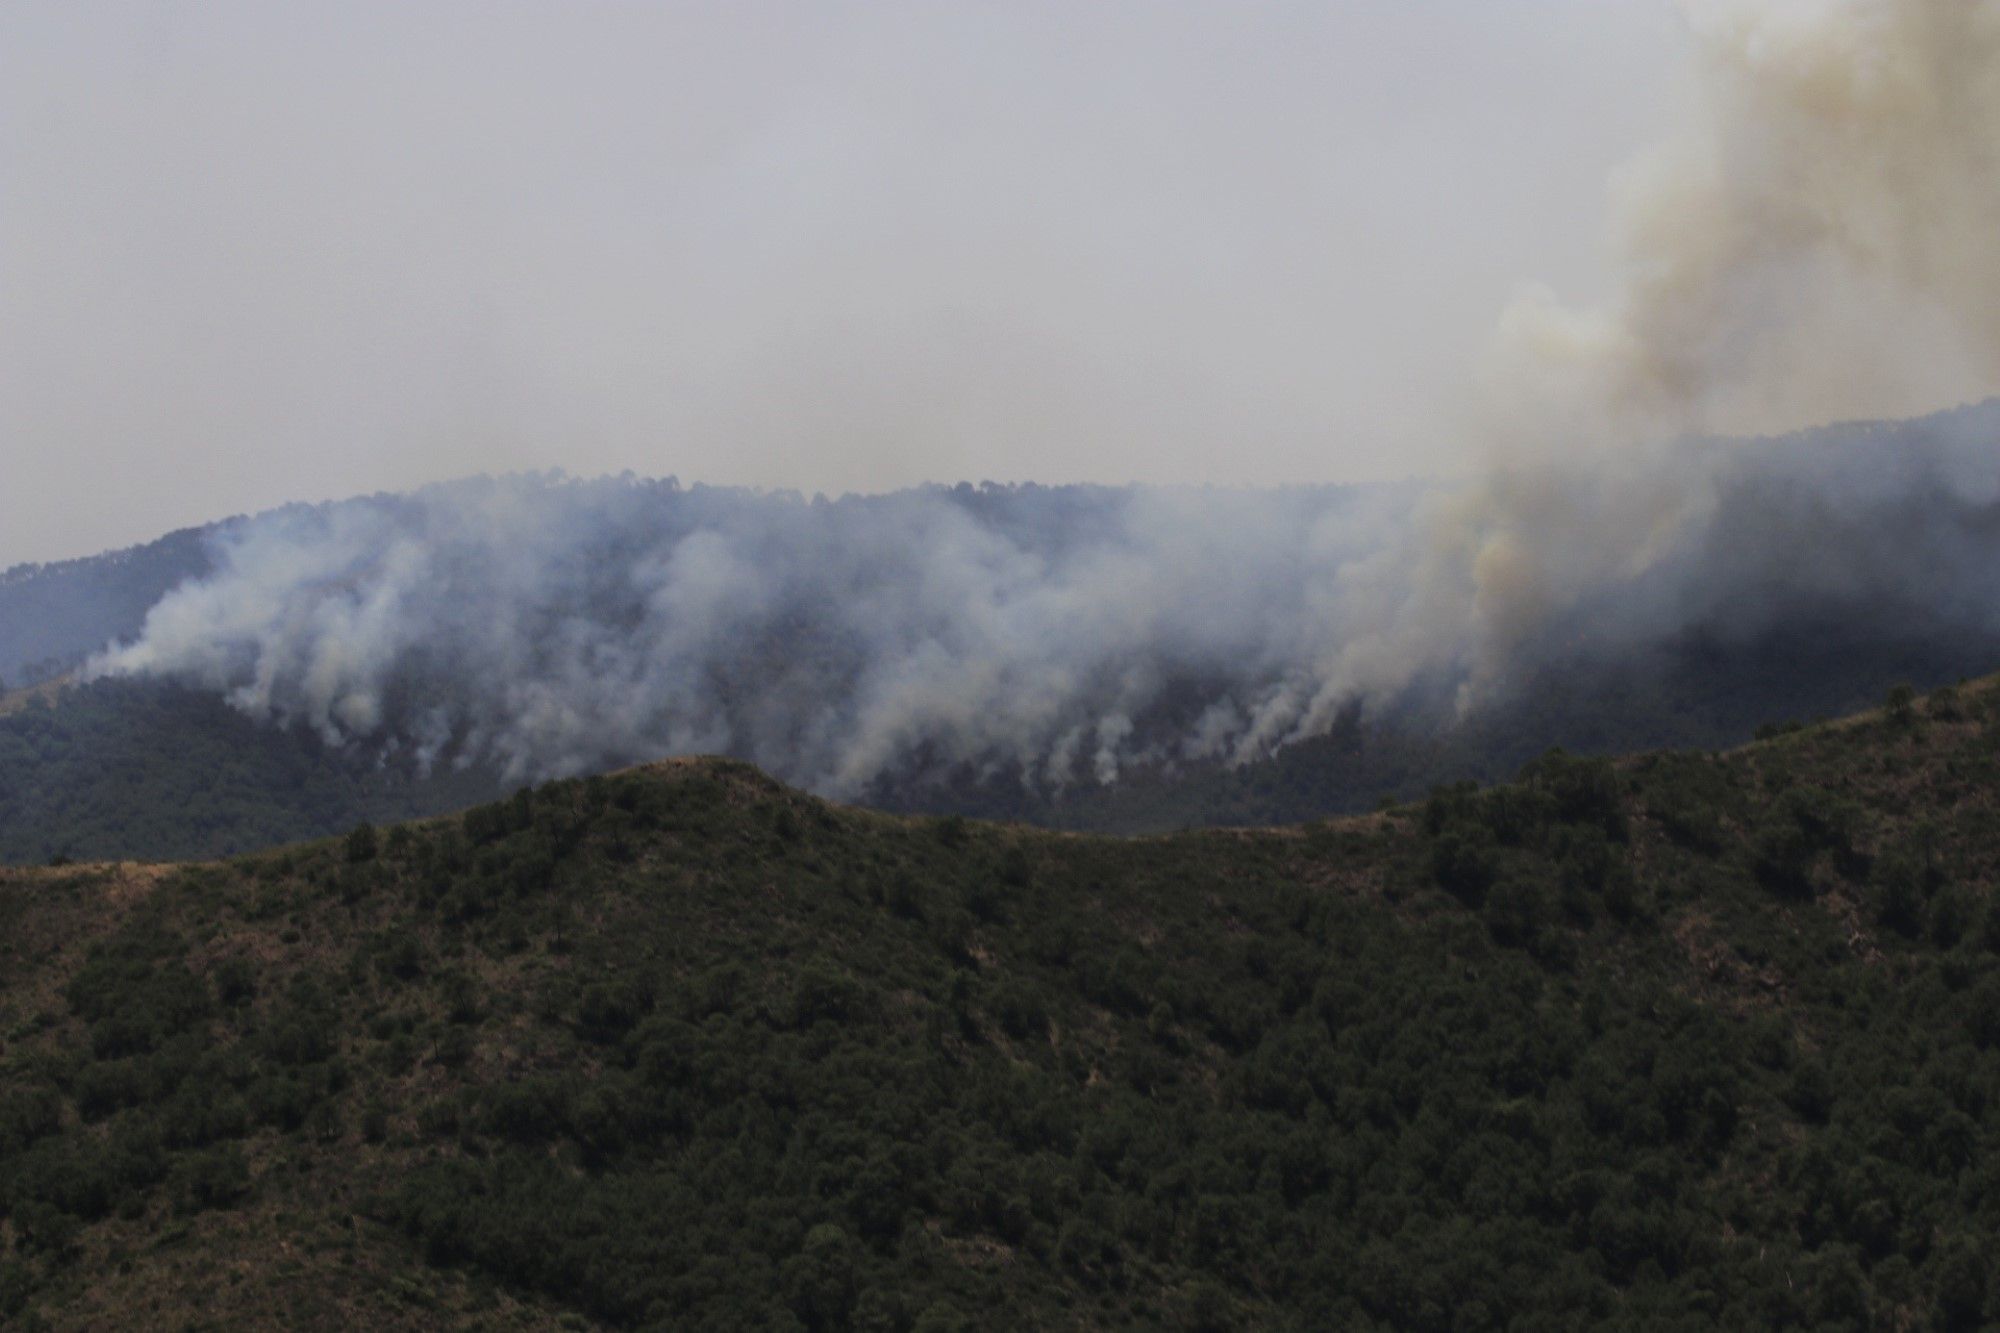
<point x="1816" y="242"/>
<point x="257" y="253"/>
<point x="555" y="626"/>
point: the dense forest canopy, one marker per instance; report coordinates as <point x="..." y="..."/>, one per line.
<point x="152" y="771"/>
<point x="1680" y="1041"/>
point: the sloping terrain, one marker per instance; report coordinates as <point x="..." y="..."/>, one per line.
<point x="1693" y="692"/>
<point x="543" y="626"/>
<point x="1685" y="1041"/>
<point x="53" y="616"/>
<point x="154" y="771"/>
<point x="116" y="769"/>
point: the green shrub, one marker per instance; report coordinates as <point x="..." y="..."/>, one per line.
<point x="1463" y="863"/>
<point x="214" y="1178"/>
<point x="361" y="844"/>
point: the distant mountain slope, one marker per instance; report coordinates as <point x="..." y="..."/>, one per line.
<point x="1830" y="566"/>
<point x="115" y="770"/>
<point x="1694" y="692"/>
<point x="1685" y="1041"/>
<point x="150" y="771"/>
<point x="53" y="616"/>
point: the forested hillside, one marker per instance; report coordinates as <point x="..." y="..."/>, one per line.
<point x="1696" y="691"/>
<point x="121" y="769"/>
<point x="1040" y="654"/>
<point x="52" y="616"/>
<point x="151" y="771"/>
<point x="1681" y="1041"/>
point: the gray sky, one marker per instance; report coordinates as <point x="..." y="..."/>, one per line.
<point x="253" y="252"/>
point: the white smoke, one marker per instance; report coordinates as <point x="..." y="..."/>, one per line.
<point x="555" y="626"/>
<point x="1817" y="244"/>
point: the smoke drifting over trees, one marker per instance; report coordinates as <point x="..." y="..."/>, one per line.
<point x="557" y="626"/>
<point x="1816" y="244"/>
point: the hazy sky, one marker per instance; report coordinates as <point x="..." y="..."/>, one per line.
<point x="260" y="252"/>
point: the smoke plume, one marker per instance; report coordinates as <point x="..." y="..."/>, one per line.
<point x="1816" y="245"/>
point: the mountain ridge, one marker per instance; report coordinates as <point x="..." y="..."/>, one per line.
<point x="1841" y="561"/>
